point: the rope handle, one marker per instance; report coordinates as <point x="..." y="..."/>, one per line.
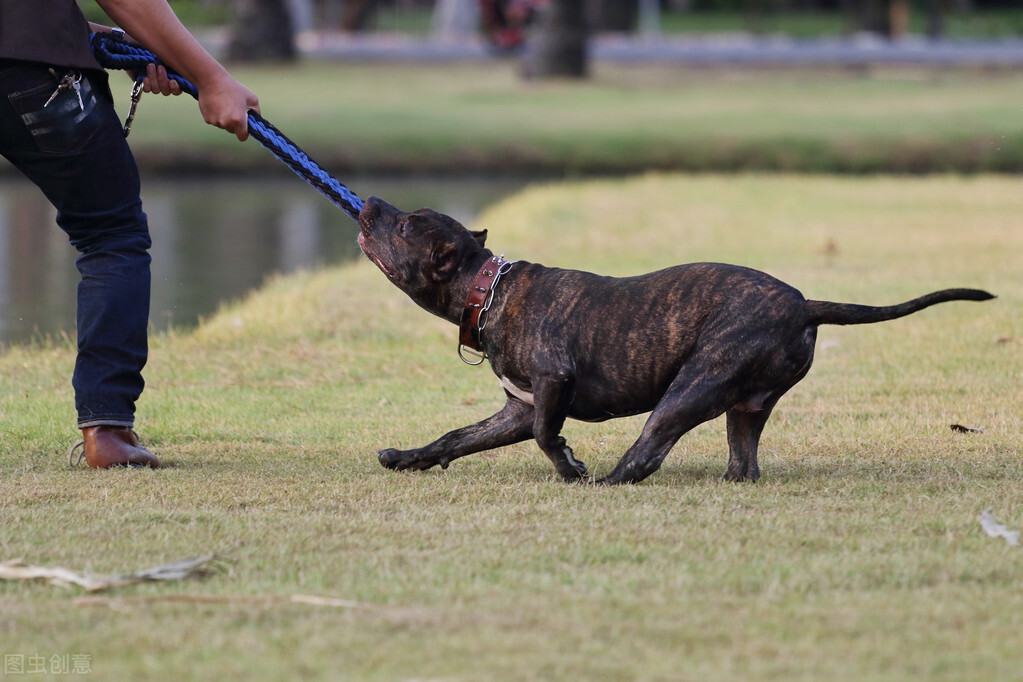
<point x="112" y="52"/>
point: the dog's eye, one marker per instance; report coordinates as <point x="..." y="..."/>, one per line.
<point x="403" y="227"/>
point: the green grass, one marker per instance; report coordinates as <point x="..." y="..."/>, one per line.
<point x="977" y="24"/>
<point x="857" y="557"/>
<point x="795" y="24"/>
<point x="463" y="118"/>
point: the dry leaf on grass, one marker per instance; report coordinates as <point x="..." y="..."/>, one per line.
<point x="185" y="569"/>
<point x="959" y="428"/>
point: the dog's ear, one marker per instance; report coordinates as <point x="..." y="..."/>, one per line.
<point x="444" y="260"/>
<point x="480" y="236"/>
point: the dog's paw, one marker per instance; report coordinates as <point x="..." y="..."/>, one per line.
<point x="402" y="460"/>
<point x="570" y="468"/>
<point x="738" y="477"/>
<point x="574" y="475"/>
<point x="391" y="459"/>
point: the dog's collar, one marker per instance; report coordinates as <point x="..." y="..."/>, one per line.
<point x="477" y="303"/>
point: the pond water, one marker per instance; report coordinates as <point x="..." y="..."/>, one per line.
<point x="213" y="241"/>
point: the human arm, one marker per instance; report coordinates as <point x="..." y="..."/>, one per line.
<point x="223" y="101"/>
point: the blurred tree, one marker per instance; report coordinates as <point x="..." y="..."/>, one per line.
<point x="898" y="18"/>
<point x="355" y="14"/>
<point x="557" y="48"/>
<point x="613" y="15"/>
<point x="872" y="16"/>
<point x="936" y="12"/>
<point x="261" y="31"/>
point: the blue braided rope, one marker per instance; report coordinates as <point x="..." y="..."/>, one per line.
<point x="113" y="53"/>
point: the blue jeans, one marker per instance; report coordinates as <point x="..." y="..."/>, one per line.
<point x="75" y="152"/>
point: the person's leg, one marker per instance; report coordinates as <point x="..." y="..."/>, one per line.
<point x="72" y="147"/>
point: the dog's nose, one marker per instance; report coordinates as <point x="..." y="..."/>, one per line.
<point x="369" y="208"/>
<point x="379" y="207"/>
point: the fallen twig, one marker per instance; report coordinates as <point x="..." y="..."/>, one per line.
<point x="185" y="569"/>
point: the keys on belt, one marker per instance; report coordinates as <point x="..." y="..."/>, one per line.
<point x="72" y="80"/>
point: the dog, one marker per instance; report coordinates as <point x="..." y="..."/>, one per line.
<point x="685" y="344"/>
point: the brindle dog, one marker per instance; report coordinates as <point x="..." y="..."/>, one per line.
<point x="687" y="343"/>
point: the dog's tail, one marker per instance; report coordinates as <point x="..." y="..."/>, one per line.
<point x="826" y="312"/>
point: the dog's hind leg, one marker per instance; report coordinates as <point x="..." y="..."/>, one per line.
<point x="746" y="419"/>
<point x="744" y="429"/>
<point x="697" y="395"/>
<point x="512" y="424"/>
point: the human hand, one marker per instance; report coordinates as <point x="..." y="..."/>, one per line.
<point x="156" y="80"/>
<point x="225" y="103"/>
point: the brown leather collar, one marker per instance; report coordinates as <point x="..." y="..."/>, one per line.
<point x="481" y="294"/>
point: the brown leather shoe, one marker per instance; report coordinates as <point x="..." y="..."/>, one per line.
<point x="115" y="446"/>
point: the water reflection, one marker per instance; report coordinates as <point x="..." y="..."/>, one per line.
<point x="213" y="240"/>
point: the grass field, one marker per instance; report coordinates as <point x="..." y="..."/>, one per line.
<point x="858" y="556"/>
<point x="463" y="118"/>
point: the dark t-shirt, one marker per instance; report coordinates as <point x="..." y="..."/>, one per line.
<point x="48" y="31"/>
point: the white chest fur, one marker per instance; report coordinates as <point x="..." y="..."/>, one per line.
<point x="521" y="394"/>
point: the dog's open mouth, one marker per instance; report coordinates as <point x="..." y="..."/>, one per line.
<point x="367" y="249"/>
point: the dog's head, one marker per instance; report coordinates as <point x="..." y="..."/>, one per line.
<point x="420" y="252"/>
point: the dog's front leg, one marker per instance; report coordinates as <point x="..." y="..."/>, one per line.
<point x="512" y="424"/>
<point x="552" y="396"/>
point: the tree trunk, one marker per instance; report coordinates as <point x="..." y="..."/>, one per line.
<point x="355" y="15"/>
<point x="935" y="19"/>
<point x="878" y="17"/>
<point x="261" y="31"/>
<point x="866" y="15"/>
<point x="557" y="48"/>
<point x="898" y="19"/>
<point x="613" y="15"/>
